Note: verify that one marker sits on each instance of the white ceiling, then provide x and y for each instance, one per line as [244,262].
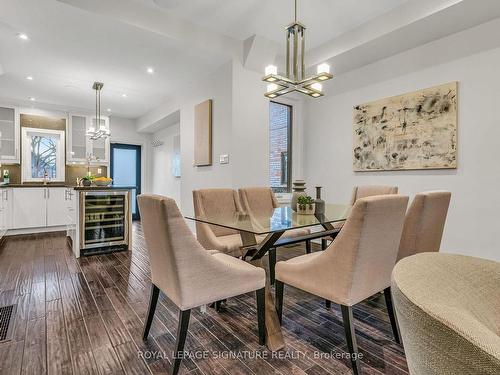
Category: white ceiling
[240,19]
[70,48]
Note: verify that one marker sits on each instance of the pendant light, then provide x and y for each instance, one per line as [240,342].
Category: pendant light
[99,130]
[294,78]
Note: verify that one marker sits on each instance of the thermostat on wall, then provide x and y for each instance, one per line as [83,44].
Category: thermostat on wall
[224,159]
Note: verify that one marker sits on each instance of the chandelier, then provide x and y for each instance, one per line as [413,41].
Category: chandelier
[295,79]
[98,129]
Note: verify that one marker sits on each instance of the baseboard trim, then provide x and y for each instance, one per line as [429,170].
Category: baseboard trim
[17,232]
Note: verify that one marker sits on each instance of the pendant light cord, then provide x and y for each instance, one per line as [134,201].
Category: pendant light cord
[295,11]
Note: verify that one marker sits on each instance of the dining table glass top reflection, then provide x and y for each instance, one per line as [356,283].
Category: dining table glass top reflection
[276,220]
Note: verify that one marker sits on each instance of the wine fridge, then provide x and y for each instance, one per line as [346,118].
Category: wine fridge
[105,221]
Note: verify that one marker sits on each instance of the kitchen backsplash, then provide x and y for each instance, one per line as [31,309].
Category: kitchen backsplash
[72,171]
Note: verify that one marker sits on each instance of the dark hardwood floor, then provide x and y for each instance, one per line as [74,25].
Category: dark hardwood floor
[86,316]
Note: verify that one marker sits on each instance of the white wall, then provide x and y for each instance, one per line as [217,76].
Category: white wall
[473,220]
[217,87]
[123,130]
[162,180]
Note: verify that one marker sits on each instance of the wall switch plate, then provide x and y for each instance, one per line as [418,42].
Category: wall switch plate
[224,159]
[99,170]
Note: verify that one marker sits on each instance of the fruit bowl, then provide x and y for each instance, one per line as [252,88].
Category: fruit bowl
[102,181]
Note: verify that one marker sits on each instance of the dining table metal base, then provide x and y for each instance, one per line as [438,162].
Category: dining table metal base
[274,336]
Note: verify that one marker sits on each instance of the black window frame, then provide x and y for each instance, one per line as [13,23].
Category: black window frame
[288,187]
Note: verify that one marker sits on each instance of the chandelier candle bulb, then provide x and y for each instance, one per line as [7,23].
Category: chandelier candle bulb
[323,68]
[271,87]
[271,69]
[317,86]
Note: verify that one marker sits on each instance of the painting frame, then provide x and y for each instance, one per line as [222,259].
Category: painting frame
[416,130]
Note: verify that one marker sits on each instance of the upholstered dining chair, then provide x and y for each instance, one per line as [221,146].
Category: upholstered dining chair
[424,223]
[216,202]
[364,191]
[448,308]
[260,202]
[186,273]
[355,266]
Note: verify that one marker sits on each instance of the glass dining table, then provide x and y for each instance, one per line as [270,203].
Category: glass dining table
[263,231]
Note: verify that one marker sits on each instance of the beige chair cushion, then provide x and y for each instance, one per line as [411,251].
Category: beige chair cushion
[359,261]
[260,202]
[424,223]
[367,191]
[188,274]
[232,244]
[219,203]
[371,190]
[448,308]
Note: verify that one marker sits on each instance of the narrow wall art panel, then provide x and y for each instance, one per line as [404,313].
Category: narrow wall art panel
[416,130]
[203,134]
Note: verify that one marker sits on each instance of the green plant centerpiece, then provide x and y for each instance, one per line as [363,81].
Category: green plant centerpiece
[305,205]
[87,180]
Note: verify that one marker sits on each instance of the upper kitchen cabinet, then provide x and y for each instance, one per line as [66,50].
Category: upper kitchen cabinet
[79,145]
[9,135]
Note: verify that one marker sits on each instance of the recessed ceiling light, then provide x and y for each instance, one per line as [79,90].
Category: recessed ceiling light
[29,78]
[124,95]
[31,98]
[150,70]
[109,109]
[22,36]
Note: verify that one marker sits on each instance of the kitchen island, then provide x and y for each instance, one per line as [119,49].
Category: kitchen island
[99,219]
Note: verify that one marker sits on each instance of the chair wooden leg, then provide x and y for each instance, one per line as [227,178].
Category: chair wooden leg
[155,292]
[278,289]
[350,336]
[272,265]
[180,340]
[261,315]
[308,247]
[392,314]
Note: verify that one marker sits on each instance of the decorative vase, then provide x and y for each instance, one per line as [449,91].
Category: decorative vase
[299,190]
[306,209]
[320,203]
[86,182]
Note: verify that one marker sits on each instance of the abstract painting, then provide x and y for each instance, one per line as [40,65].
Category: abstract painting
[417,130]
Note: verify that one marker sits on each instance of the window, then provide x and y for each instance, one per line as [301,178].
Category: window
[280,147]
[43,154]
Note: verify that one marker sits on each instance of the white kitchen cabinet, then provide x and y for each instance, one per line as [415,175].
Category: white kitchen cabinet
[79,145]
[70,198]
[39,207]
[76,139]
[29,208]
[56,206]
[5,210]
[9,135]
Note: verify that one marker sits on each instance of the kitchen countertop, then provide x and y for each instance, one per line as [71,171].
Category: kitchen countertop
[56,184]
[112,187]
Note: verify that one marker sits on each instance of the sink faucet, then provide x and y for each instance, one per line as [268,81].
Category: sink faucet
[46,178]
